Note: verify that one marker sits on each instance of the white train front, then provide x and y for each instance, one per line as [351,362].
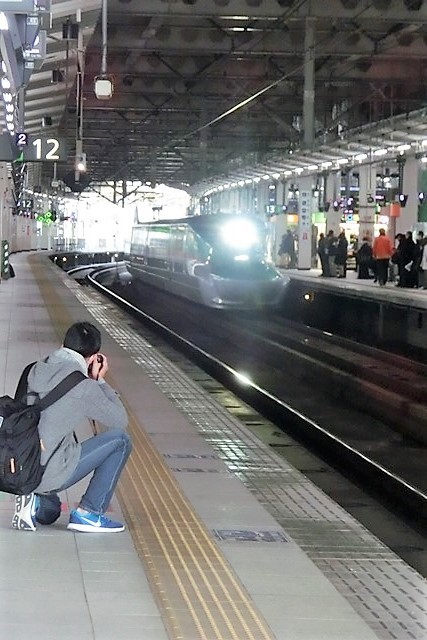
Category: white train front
[216,260]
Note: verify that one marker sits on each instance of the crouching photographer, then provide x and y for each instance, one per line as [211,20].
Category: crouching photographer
[68,461]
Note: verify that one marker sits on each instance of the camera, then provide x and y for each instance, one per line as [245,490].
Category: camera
[100,360]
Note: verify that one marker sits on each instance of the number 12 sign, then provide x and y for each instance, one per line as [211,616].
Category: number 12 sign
[42,148]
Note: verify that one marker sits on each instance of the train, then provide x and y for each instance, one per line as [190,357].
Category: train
[217,260]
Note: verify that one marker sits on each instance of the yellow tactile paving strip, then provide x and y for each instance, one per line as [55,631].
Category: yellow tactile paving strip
[199,595]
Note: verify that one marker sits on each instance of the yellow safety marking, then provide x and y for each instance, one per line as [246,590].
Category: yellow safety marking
[152,474]
[198,593]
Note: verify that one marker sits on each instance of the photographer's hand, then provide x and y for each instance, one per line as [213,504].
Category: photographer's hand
[99,367]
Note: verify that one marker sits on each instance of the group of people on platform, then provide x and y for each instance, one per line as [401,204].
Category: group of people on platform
[373,260]
[333,253]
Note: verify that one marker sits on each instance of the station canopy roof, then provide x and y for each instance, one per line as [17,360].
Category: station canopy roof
[211,92]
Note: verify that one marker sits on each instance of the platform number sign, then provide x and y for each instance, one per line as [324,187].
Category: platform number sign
[32,148]
[46,149]
[25,147]
[21,139]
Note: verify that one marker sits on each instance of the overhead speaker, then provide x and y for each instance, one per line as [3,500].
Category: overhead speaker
[70,30]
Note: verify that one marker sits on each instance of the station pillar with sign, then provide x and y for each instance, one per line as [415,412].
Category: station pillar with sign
[4,257]
[332,196]
[304,223]
[367,202]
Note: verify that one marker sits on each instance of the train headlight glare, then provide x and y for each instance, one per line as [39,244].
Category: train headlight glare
[241,258]
[240,233]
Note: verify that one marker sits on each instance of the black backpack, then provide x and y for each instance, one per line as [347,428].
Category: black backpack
[20,448]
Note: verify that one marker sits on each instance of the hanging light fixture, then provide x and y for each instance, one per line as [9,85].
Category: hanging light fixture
[104,86]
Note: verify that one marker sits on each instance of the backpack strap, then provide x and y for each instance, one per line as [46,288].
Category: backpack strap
[21,389]
[61,389]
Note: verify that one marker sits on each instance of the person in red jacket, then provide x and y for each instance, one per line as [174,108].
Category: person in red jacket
[382,251]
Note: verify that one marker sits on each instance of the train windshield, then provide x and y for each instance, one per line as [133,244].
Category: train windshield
[238,249]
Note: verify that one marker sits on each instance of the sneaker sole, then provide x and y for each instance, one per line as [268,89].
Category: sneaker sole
[89,528]
[22,518]
[22,525]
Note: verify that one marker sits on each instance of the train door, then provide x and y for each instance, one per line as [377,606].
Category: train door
[177,250]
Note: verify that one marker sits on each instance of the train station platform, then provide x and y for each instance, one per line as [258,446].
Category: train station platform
[225,540]
[359,309]
[351,285]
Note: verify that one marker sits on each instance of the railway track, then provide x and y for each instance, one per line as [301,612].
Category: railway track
[285,373]
[377,395]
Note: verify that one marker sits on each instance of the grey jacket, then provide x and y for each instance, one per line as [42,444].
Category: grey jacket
[91,399]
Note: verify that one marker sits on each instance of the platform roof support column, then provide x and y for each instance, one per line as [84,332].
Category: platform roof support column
[262,198]
[409,213]
[304,222]
[244,199]
[422,184]
[367,203]
[308,105]
[278,227]
[253,199]
[124,191]
[203,145]
[332,195]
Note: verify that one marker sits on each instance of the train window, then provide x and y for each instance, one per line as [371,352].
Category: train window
[196,249]
[158,246]
[138,240]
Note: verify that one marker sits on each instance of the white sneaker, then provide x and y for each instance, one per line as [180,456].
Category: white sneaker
[24,517]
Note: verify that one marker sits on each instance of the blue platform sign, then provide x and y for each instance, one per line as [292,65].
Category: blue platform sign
[18,6]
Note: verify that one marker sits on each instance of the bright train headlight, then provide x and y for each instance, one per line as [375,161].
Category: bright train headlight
[240,234]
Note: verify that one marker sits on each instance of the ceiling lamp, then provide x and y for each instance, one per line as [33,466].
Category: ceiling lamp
[103,84]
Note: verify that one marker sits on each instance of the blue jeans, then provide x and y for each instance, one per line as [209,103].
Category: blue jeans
[106,455]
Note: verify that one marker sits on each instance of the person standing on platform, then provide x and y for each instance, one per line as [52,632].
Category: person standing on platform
[68,461]
[423,265]
[397,258]
[341,255]
[287,246]
[382,251]
[331,252]
[321,250]
[409,255]
[418,258]
[364,260]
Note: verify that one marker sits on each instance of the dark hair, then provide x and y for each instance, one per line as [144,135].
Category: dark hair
[84,338]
